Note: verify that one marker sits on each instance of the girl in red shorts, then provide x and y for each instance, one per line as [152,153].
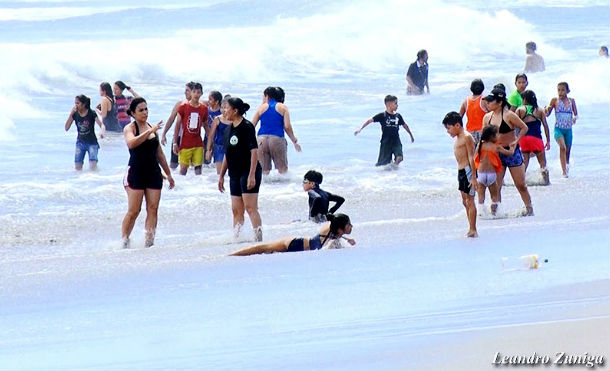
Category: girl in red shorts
[531,143]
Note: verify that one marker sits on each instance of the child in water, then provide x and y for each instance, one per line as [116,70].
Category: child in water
[318,198]
[566,115]
[390,122]
[488,165]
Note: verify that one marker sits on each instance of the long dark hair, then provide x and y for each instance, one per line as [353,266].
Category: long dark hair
[239,105]
[85,100]
[488,132]
[107,89]
[134,104]
[122,85]
[530,97]
[276,93]
[337,221]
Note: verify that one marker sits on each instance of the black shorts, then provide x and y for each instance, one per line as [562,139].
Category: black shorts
[239,184]
[387,149]
[464,185]
[143,178]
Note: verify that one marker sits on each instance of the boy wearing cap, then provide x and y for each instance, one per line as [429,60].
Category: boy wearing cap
[463,149]
[318,198]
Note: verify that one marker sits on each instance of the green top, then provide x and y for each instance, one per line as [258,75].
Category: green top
[514,99]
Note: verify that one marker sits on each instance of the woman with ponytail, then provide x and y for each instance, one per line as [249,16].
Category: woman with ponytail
[86,141]
[108,109]
[329,237]
[122,102]
[241,160]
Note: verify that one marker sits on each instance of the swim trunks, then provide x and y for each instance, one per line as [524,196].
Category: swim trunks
[189,156]
[464,185]
[387,148]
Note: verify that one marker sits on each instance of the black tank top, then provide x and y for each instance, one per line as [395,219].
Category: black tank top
[144,156]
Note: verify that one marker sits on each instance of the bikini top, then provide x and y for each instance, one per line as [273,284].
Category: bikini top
[493,157]
[504,127]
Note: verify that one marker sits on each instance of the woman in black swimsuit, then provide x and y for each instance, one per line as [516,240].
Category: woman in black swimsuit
[507,122]
[143,178]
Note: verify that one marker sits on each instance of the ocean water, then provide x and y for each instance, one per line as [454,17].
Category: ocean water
[60,229]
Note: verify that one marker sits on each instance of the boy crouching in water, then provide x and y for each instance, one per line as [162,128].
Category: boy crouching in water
[464,154]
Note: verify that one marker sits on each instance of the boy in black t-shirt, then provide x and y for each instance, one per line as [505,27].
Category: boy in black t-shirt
[390,122]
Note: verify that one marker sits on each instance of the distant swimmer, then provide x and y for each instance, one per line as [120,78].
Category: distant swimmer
[472,107]
[566,115]
[245,172]
[108,109]
[463,149]
[318,198]
[603,51]
[417,75]
[191,118]
[173,162]
[215,150]
[507,121]
[86,141]
[275,120]
[533,62]
[143,179]
[488,165]
[390,122]
[329,237]
[515,99]
[534,117]
[123,102]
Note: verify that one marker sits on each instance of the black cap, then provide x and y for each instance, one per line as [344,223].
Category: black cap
[496,94]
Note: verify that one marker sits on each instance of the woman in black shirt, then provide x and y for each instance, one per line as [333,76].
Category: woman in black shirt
[241,160]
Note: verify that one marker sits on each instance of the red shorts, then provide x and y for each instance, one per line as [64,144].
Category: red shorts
[531,144]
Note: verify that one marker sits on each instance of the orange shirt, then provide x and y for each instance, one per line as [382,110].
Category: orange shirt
[493,157]
[474,113]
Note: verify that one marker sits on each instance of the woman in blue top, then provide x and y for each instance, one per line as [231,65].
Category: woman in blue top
[329,237]
[216,147]
[275,120]
[86,141]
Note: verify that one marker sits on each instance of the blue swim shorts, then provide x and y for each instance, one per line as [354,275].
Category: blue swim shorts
[515,160]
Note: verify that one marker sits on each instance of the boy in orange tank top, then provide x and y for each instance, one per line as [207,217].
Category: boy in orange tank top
[474,110]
